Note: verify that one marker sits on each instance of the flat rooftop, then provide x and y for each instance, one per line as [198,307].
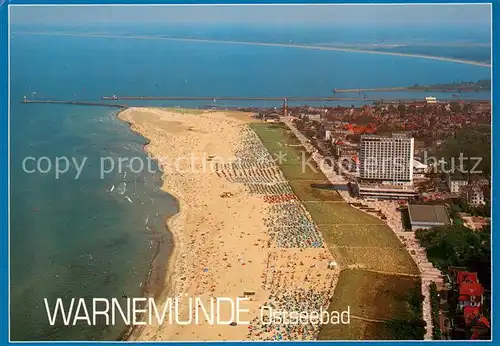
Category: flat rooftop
[428,214]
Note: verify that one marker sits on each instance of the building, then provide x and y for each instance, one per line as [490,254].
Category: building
[386,166]
[428,216]
[470,322]
[334,134]
[328,135]
[385,191]
[478,180]
[419,170]
[473,194]
[269,116]
[431,100]
[386,158]
[312,117]
[456,182]
[366,110]
[469,289]
[475,191]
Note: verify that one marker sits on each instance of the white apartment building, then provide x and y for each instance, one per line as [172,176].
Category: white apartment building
[388,159]
[474,195]
[431,100]
[455,183]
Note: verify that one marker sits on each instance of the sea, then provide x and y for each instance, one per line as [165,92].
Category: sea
[89,235]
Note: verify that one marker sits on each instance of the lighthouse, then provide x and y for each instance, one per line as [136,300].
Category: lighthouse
[285,107]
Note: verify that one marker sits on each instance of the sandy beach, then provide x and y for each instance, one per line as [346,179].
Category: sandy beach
[240,228]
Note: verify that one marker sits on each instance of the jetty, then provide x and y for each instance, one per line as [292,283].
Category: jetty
[235,98]
[214,99]
[335,90]
[80,103]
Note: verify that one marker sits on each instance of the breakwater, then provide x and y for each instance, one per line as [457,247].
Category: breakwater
[81,103]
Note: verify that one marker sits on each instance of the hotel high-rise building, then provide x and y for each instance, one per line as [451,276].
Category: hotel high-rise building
[386,159]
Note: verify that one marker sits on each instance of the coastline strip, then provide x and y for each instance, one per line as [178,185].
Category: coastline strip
[134,332]
[301,46]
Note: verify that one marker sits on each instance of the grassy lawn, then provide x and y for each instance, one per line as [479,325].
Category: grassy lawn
[355,238]
[394,305]
[289,156]
[361,330]
[338,213]
[387,297]
[383,259]
[277,137]
[269,132]
[275,147]
[357,330]
[296,172]
[361,235]
[281,143]
[315,190]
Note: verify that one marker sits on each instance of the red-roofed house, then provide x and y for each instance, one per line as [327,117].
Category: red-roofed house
[470,300]
[466,277]
[477,323]
[470,295]
[471,313]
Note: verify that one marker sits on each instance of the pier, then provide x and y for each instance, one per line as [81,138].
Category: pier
[335,90]
[235,98]
[277,98]
[240,98]
[80,103]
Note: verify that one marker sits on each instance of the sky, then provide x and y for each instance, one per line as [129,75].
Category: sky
[477,15]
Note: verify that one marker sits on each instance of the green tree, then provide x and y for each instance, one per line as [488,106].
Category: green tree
[457,245]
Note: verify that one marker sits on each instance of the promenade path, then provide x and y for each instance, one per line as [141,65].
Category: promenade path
[428,272]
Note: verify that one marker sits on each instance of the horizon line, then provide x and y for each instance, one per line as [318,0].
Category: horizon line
[261,4]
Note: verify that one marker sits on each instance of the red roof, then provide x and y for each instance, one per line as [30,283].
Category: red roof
[467,277]
[470,312]
[474,289]
[484,321]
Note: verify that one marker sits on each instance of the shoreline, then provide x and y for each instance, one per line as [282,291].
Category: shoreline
[133,332]
[302,46]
